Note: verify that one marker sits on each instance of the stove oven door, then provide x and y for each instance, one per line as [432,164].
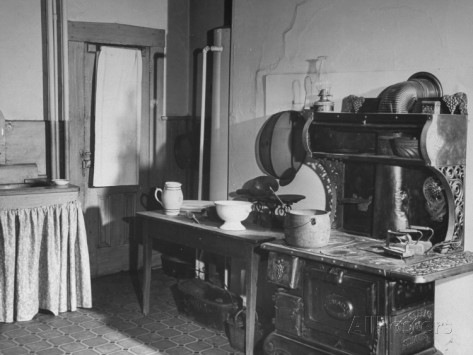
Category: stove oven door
[341,310]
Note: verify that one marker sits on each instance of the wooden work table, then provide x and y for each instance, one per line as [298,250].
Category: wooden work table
[208,237]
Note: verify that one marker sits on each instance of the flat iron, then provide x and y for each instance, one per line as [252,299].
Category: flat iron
[407,242]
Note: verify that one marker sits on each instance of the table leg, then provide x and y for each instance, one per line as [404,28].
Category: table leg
[252,263]
[147,250]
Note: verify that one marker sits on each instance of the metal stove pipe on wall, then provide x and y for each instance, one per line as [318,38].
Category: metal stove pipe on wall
[218,189]
[202,115]
[58,87]
[218,49]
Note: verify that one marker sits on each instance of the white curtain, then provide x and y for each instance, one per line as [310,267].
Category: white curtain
[44,261]
[117,117]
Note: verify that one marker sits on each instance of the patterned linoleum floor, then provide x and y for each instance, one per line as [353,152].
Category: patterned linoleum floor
[115,325]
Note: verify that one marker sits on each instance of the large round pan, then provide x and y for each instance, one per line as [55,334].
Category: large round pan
[279,149]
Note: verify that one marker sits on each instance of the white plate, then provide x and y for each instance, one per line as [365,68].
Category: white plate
[195,205]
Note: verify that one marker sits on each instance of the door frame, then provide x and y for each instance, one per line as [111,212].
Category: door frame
[152,43]
[150,39]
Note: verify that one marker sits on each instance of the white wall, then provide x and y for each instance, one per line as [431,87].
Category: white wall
[21,62]
[146,13]
[369,37]
[375,43]
[21,57]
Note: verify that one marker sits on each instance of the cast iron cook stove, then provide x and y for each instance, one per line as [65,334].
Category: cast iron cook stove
[386,176]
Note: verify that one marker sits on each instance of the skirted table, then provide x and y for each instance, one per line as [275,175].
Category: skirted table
[44,260]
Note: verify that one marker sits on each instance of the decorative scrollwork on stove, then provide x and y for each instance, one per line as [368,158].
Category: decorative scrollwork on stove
[284,270]
[463,105]
[455,176]
[458,100]
[330,173]
[352,103]
[435,205]
[439,264]
[279,269]
[295,316]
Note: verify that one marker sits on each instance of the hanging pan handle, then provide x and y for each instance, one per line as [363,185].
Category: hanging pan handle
[312,221]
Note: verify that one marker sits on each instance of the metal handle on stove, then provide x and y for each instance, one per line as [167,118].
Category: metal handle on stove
[336,275]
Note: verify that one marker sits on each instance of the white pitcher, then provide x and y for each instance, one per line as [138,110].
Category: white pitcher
[171,197]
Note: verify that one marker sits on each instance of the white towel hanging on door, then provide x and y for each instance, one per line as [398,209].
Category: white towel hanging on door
[117,117]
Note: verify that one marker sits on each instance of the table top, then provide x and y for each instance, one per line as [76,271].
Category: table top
[24,189]
[33,197]
[254,234]
[345,250]
[366,255]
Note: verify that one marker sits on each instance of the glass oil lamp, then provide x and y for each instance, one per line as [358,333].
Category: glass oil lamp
[323,86]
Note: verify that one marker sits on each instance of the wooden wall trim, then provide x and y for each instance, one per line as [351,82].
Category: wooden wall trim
[117,34]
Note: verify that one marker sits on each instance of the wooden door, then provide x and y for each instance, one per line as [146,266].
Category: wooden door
[109,211]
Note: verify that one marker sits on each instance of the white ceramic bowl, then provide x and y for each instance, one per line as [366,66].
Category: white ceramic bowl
[233,213]
[60,182]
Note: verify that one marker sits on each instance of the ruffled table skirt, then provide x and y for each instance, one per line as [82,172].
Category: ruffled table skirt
[44,261]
